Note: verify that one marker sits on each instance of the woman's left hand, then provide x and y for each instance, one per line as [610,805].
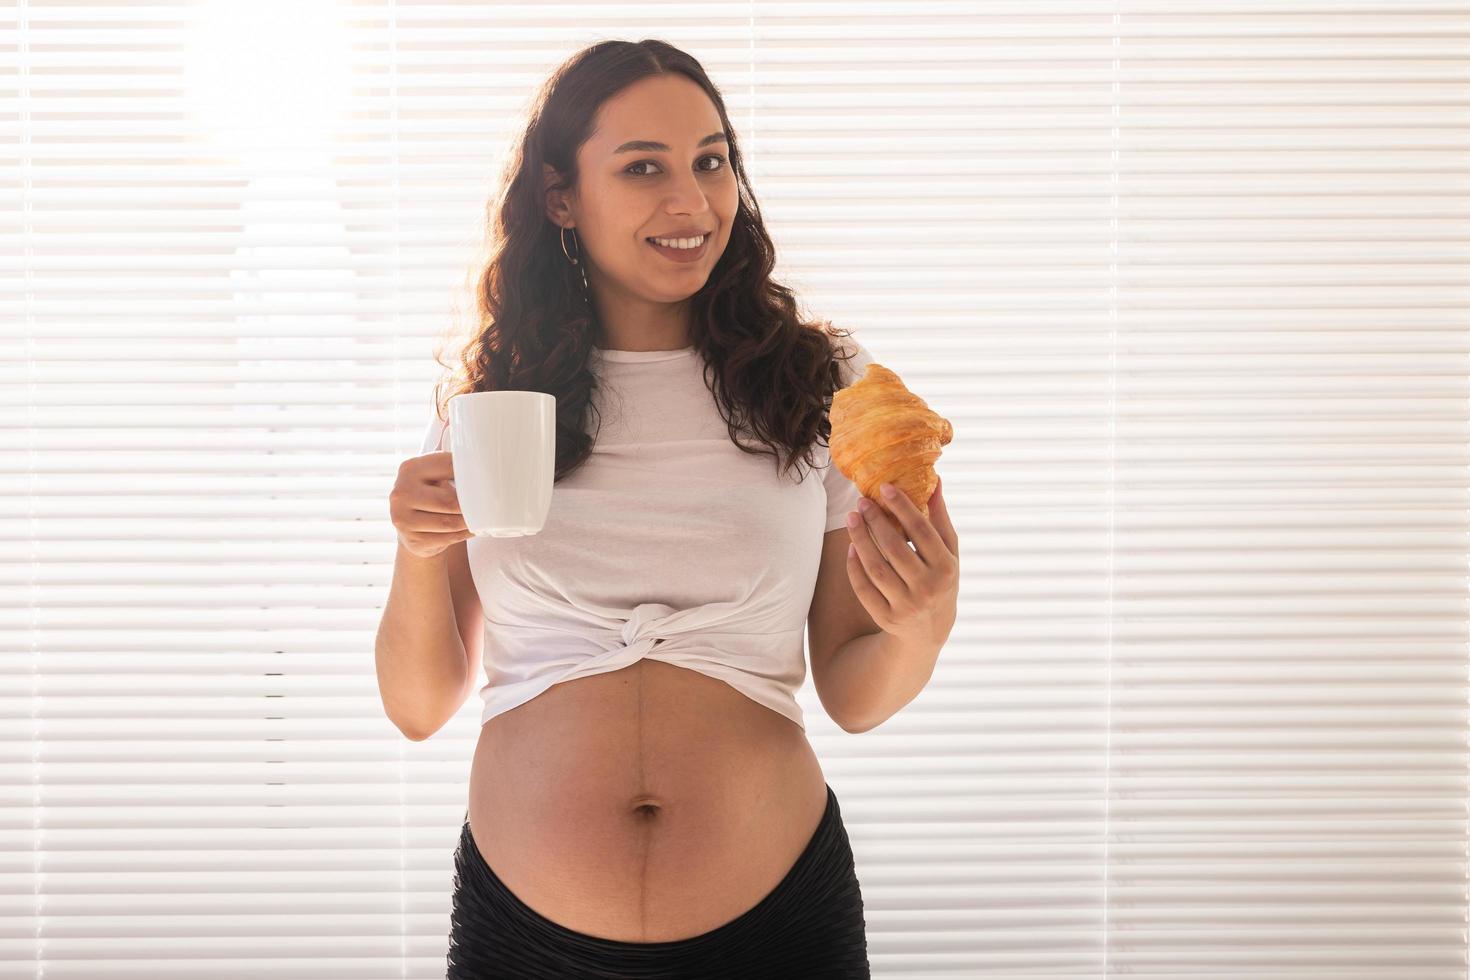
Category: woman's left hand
[911,596]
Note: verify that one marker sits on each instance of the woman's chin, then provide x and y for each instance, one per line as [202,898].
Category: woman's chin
[662,292]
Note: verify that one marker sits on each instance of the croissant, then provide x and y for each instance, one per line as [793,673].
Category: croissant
[884,433]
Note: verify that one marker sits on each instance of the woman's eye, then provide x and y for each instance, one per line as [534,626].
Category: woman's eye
[708,170]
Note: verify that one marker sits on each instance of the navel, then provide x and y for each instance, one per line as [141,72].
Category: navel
[647,806]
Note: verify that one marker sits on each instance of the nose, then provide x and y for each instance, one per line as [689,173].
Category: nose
[687,197]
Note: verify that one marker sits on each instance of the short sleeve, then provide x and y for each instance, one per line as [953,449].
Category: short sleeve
[842,494]
[433,435]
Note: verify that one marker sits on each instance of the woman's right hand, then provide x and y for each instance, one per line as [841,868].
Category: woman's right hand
[424,507]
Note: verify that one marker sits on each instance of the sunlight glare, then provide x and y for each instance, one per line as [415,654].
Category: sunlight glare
[268,77]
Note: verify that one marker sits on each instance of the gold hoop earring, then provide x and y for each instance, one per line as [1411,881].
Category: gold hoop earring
[586,286]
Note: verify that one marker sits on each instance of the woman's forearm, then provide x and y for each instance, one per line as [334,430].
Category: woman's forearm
[423,674]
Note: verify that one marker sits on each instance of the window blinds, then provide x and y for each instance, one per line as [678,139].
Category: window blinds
[1188,279]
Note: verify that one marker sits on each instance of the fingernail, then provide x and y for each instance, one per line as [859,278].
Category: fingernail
[889,490]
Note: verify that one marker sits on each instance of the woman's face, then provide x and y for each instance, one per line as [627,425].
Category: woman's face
[627,194]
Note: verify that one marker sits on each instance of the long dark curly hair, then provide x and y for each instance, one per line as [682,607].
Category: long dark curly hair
[533,327]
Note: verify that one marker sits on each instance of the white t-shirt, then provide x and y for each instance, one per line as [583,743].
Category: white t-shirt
[669,542]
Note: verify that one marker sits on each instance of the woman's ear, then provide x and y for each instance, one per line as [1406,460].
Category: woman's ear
[558,200]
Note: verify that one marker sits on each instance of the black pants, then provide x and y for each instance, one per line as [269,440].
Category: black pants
[810,926]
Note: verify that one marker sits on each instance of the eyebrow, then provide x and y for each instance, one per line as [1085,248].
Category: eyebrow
[653,146]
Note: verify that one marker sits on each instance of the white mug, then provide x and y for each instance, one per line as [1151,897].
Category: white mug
[504,451]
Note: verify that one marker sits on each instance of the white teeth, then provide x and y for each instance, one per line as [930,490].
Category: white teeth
[680,242]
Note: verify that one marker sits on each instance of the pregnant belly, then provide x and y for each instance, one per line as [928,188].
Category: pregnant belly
[647,804]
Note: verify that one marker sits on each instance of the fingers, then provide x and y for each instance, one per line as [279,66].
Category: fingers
[423,493]
[439,523]
[871,556]
[931,547]
[429,543]
[868,594]
[424,508]
[430,467]
[893,550]
[430,508]
[442,499]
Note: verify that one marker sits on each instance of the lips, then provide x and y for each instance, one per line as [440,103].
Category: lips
[682,255]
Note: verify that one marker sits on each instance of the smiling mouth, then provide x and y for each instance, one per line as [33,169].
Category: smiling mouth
[682,256]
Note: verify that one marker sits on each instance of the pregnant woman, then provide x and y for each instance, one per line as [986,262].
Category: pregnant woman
[643,800]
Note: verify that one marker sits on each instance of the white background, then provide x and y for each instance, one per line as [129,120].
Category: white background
[1189,279]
